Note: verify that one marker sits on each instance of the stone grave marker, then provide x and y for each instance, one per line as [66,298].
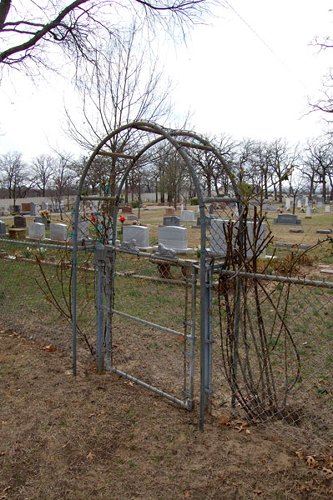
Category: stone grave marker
[36,231]
[308,214]
[58,232]
[187,216]
[33,209]
[218,244]
[83,230]
[299,203]
[126,210]
[287,203]
[171,220]
[287,219]
[169,211]
[132,217]
[173,237]
[138,233]
[2,228]
[327,209]
[20,221]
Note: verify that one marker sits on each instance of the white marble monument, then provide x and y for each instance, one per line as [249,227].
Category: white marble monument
[36,231]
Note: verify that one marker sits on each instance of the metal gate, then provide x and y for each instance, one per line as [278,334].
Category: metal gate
[146,320]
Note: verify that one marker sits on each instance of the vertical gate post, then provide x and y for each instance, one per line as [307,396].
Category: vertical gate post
[205,322]
[100,269]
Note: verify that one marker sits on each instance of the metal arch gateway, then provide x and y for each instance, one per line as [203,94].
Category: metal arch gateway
[181,141]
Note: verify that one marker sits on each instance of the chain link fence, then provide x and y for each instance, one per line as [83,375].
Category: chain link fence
[273,359]
[35,293]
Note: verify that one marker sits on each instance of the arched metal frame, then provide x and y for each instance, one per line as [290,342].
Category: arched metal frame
[176,139]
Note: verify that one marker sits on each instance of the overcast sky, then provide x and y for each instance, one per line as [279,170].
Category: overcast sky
[247,73]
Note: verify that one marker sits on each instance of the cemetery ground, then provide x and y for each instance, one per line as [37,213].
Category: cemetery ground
[97,436]
[101,436]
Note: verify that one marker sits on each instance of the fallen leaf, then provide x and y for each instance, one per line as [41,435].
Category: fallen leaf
[224,420]
[50,348]
[187,494]
[181,338]
[91,456]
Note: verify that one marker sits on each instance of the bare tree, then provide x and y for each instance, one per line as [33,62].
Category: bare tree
[318,166]
[28,29]
[42,169]
[121,87]
[14,175]
[63,177]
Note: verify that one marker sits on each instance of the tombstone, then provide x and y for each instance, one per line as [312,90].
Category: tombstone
[260,234]
[83,230]
[58,232]
[44,205]
[126,210]
[287,203]
[218,243]
[320,204]
[138,233]
[327,209]
[306,201]
[20,221]
[33,209]
[171,220]
[25,208]
[299,203]
[40,219]
[187,216]
[36,231]
[287,219]
[2,228]
[132,217]
[169,211]
[173,237]
[308,214]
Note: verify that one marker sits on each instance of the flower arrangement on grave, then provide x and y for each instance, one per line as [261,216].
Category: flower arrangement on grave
[122,219]
[45,214]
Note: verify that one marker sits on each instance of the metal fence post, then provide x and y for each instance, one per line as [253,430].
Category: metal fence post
[100,267]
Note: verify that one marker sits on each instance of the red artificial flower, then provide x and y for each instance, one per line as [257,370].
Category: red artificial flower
[122,219]
[93,219]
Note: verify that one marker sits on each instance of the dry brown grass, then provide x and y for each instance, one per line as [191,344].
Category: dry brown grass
[99,437]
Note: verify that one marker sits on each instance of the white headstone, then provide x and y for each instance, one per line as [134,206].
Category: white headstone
[306,201]
[287,201]
[218,243]
[260,236]
[36,231]
[83,230]
[299,203]
[187,216]
[138,233]
[308,213]
[320,204]
[58,232]
[327,209]
[173,237]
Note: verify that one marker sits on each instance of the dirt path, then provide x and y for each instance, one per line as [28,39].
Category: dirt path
[101,437]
